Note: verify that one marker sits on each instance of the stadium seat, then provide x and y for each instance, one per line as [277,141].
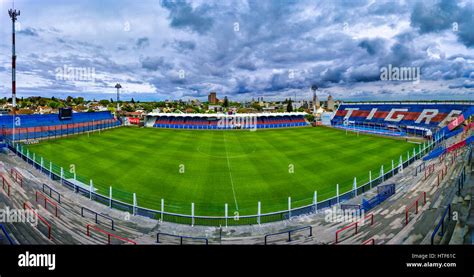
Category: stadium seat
[180,122]
[397,118]
[47,125]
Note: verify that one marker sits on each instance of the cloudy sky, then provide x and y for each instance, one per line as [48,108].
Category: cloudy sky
[243,49]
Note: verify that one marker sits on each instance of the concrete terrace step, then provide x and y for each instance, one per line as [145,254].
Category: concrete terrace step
[389,223]
[22,232]
[69,227]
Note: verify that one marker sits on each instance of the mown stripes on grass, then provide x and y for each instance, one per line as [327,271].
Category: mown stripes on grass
[148,162]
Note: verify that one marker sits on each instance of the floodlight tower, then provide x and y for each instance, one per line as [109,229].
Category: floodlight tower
[118,87]
[314,88]
[13,15]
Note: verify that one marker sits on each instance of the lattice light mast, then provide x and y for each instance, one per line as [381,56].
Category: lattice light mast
[118,87]
[13,15]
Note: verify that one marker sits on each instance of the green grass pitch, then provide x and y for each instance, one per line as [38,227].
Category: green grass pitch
[211,168]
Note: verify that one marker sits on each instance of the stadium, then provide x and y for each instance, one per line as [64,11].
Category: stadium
[117,135]
[207,170]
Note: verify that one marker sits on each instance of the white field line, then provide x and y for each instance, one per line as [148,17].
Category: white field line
[230,174]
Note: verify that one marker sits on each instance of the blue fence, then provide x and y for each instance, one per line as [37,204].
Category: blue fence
[441,223]
[384,192]
[6,235]
[461,180]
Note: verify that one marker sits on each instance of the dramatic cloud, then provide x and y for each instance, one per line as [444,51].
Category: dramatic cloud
[28,32]
[443,15]
[155,63]
[143,42]
[373,46]
[242,48]
[182,15]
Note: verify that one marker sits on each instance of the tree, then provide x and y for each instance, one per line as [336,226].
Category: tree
[104,102]
[53,104]
[256,106]
[289,107]
[128,108]
[79,100]
[42,102]
[309,117]
[148,107]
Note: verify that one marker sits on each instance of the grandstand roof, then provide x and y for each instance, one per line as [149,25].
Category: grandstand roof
[220,115]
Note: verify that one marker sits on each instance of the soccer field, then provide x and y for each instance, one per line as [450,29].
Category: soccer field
[211,168]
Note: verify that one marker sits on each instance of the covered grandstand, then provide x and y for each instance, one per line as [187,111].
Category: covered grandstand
[398,118]
[226,121]
[38,126]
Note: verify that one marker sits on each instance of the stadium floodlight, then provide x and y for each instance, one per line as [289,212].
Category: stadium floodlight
[118,87]
[14,16]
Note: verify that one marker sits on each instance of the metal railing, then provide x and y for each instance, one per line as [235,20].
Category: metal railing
[49,191]
[97,215]
[447,212]
[109,235]
[289,233]
[355,224]
[46,201]
[7,236]
[48,225]
[415,203]
[181,238]
[6,184]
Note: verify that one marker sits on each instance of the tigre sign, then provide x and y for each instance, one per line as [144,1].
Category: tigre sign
[401,114]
